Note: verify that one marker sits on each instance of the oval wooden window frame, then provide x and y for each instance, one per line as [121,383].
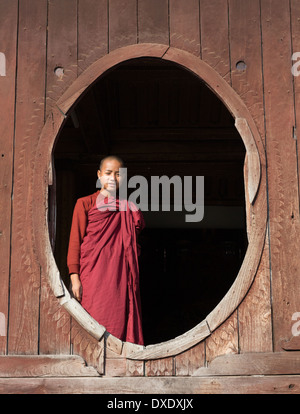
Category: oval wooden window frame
[255,185]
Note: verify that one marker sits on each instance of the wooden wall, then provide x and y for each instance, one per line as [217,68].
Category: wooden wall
[39,36]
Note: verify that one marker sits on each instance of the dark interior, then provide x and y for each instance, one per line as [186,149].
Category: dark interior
[162,120]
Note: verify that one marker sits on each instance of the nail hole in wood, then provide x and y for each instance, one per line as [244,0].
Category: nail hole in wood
[241,65]
[59,72]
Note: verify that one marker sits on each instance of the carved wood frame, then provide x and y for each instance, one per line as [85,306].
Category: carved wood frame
[256,198]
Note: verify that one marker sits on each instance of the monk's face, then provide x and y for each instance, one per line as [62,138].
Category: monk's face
[109,175]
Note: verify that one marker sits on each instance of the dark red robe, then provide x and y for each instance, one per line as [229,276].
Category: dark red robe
[103,250]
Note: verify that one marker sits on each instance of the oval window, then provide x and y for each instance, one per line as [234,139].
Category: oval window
[163,121]
[165,117]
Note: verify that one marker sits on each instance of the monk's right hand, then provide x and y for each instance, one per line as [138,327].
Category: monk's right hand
[76,286]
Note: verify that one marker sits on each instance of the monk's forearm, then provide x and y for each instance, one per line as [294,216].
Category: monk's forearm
[76,286]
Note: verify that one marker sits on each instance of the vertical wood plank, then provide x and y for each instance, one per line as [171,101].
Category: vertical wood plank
[215,51]
[184,25]
[25,271]
[92,32]
[255,325]
[245,46]
[153,21]
[61,48]
[61,52]
[8,36]
[55,324]
[282,166]
[122,23]
[295,27]
[214,36]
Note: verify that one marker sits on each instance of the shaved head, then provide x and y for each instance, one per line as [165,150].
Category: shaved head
[110,158]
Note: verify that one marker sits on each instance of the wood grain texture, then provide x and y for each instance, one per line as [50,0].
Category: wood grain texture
[92,32]
[54,323]
[153,21]
[159,367]
[86,346]
[294,342]
[8,34]
[295,43]
[245,47]
[122,23]
[255,324]
[61,48]
[272,384]
[189,361]
[25,271]
[44,366]
[282,167]
[184,25]
[260,363]
[214,36]
[224,340]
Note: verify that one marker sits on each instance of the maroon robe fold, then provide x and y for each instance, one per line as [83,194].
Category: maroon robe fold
[109,269]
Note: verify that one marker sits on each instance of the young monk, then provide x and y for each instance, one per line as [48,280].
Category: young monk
[103,255]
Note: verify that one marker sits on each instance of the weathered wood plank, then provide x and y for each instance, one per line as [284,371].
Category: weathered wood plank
[246,48]
[8,35]
[92,32]
[44,366]
[61,49]
[159,367]
[89,348]
[294,342]
[214,36]
[122,367]
[273,384]
[184,25]
[61,52]
[295,29]
[254,314]
[260,363]
[25,271]
[255,325]
[224,340]
[153,21]
[282,167]
[55,324]
[292,345]
[122,23]
[189,361]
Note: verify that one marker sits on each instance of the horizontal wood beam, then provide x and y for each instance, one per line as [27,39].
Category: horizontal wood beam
[274,384]
[44,366]
[261,363]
